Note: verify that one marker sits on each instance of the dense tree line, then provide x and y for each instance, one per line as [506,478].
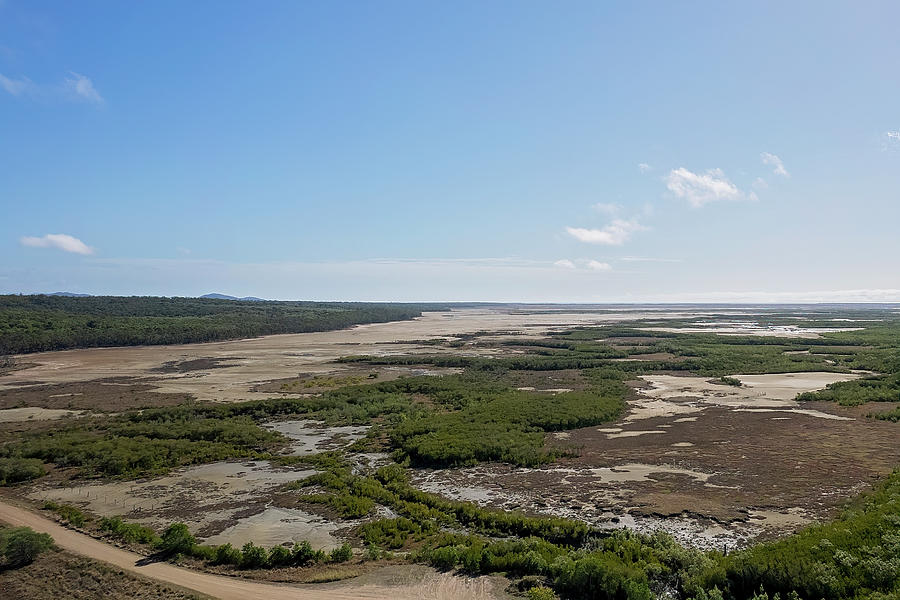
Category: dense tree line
[40,323]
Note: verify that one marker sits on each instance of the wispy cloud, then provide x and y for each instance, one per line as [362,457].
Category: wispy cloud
[700,189]
[891,139]
[564,263]
[596,265]
[608,208]
[650,260]
[61,241]
[644,167]
[760,184]
[82,87]
[615,234]
[16,87]
[776,163]
[74,86]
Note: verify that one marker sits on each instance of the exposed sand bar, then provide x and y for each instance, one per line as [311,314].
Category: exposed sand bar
[31,413]
[250,361]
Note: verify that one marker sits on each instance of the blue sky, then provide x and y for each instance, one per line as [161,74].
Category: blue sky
[507,151]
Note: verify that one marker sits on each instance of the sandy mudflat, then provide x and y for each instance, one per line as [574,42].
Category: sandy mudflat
[32,413]
[241,364]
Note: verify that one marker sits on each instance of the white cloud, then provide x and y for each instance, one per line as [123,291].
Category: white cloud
[60,241]
[892,135]
[608,208]
[760,183]
[16,87]
[564,263]
[700,189]
[596,265]
[644,167]
[82,87]
[615,234]
[775,162]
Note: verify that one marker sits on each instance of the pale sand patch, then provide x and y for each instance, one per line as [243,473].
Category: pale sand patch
[757,391]
[786,386]
[275,526]
[30,413]
[682,444]
[627,434]
[610,429]
[755,329]
[648,408]
[216,491]
[799,411]
[773,519]
[641,472]
[308,439]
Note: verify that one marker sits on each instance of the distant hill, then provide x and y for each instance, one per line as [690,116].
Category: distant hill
[70,295]
[227,297]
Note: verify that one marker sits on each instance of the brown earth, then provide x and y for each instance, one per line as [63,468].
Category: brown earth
[760,459]
[108,394]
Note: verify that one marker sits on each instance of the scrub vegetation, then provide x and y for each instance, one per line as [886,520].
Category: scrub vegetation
[480,415]
[19,546]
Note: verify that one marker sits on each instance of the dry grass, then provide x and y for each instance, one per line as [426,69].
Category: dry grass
[64,575]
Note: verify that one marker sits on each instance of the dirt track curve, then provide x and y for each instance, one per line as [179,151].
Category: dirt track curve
[440,586]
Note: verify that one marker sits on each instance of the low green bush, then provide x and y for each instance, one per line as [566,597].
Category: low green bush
[19,546]
[70,514]
[342,553]
[177,539]
[129,532]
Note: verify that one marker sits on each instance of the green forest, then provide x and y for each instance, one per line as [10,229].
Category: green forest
[40,323]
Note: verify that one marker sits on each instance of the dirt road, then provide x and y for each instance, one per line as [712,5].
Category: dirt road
[433,586]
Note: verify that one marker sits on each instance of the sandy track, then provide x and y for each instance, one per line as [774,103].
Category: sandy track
[439,586]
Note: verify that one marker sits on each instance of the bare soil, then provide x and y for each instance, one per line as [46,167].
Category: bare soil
[108,394]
